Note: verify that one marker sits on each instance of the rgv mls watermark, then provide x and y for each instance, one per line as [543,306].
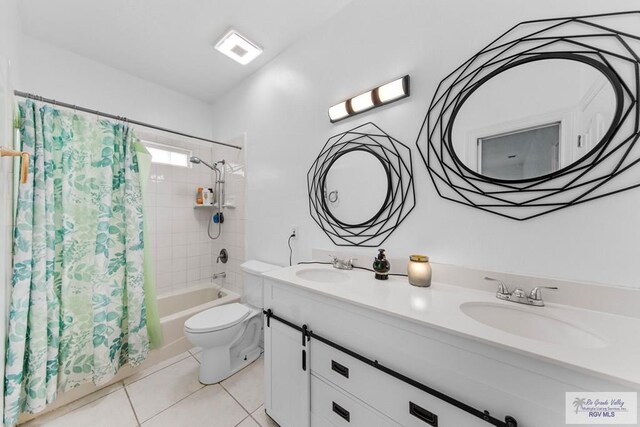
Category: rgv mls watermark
[601,407]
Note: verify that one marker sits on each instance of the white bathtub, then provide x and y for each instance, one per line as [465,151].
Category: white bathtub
[174,309]
[178,306]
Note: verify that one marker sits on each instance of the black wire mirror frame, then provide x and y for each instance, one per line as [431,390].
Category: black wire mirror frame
[396,160]
[583,178]
[387,174]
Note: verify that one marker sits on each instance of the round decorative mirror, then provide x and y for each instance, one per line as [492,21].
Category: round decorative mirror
[357,187]
[361,186]
[535,117]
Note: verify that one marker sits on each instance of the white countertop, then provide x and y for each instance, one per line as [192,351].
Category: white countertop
[439,307]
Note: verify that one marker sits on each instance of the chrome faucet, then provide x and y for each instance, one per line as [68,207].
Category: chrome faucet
[534,297]
[342,264]
[219,275]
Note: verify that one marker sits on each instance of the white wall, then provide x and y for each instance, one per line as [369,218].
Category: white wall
[10,36]
[60,74]
[283,110]
[10,40]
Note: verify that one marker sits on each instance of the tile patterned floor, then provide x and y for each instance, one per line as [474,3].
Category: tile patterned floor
[169,395]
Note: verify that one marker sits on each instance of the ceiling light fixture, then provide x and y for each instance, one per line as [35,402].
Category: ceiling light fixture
[385,94]
[238,47]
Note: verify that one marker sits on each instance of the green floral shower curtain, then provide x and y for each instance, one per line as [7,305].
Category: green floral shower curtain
[77,307]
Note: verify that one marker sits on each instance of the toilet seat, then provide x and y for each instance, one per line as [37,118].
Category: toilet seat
[217,318]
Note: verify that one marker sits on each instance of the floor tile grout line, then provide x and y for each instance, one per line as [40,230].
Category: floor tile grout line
[123,386]
[175,403]
[242,420]
[52,411]
[254,419]
[209,385]
[265,411]
[234,398]
[135,414]
[244,368]
[203,386]
[231,394]
[155,372]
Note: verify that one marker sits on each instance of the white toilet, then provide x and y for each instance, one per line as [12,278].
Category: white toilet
[230,335]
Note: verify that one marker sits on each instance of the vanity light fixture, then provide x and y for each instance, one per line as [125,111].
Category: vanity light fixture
[385,94]
[238,47]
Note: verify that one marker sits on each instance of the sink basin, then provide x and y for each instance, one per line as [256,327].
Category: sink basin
[527,324]
[323,275]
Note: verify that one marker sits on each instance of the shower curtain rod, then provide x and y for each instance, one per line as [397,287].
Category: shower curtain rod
[114,117]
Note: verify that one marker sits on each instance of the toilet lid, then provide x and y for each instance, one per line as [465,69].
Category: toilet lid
[216,318]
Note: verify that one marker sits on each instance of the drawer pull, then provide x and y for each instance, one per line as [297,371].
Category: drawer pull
[343,413]
[423,415]
[341,369]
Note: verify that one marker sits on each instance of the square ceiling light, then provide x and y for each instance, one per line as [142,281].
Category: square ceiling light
[238,47]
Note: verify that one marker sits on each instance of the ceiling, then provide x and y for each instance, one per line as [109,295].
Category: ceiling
[171,42]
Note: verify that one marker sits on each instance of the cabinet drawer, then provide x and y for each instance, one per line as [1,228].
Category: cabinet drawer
[318,421]
[398,400]
[332,405]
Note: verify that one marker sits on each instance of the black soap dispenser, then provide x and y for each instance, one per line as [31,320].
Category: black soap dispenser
[381,265]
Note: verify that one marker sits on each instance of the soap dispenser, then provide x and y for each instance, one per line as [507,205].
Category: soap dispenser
[381,265]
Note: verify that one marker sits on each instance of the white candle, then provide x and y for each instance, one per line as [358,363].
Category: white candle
[419,270]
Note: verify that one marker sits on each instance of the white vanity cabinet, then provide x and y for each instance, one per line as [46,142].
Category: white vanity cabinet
[287,383]
[335,389]
[368,367]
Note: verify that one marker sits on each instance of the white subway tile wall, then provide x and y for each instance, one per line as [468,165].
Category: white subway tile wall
[183,254]
[233,229]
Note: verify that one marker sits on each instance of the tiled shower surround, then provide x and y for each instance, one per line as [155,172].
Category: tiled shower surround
[183,254]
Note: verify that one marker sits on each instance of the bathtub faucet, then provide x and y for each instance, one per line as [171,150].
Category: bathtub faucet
[218,275]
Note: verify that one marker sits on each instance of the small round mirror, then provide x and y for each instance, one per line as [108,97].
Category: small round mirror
[357,187]
[535,117]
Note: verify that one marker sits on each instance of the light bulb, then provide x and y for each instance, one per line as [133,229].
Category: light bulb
[362,102]
[338,111]
[391,91]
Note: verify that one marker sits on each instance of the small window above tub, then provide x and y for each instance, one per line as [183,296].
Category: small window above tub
[168,155]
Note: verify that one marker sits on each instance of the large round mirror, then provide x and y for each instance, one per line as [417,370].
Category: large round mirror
[535,117]
[357,187]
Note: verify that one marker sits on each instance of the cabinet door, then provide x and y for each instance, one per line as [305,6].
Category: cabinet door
[287,377]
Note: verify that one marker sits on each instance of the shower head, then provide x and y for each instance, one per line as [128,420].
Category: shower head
[197,160]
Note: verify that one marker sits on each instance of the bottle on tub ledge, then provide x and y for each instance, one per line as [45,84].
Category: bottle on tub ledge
[381,265]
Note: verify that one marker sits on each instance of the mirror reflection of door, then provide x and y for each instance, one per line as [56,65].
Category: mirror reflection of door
[533,119]
[520,154]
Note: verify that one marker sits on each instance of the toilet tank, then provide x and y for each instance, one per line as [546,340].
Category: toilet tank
[252,274]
